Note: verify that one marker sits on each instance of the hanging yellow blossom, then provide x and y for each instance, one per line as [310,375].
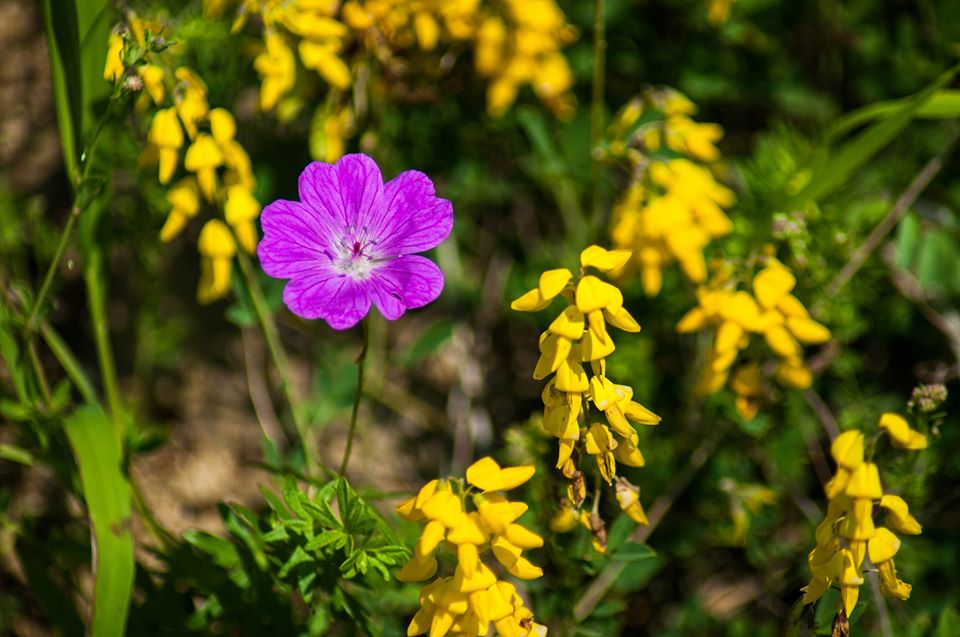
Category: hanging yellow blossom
[277,70]
[579,335]
[113,67]
[221,170]
[848,534]
[471,599]
[217,248]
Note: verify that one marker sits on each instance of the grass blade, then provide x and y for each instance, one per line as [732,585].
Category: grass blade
[835,171]
[107,493]
[63,45]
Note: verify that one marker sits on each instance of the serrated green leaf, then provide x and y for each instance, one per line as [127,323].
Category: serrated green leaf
[107,493]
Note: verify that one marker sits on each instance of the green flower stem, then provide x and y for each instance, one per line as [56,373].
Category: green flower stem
[51,271]
[38,370]
[596,107]
[68,361]
[279,356]
[361,363]
[97,299]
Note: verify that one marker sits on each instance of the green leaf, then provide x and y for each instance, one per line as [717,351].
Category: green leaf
[223,552]
[936,262]
[275,503]
[93,21]
[16,454]
[949,624]
[943,104]
[846,160]
[634,552]
[429,341]
[299,557]
[63,47]
[907,240]
[325,539]
[107,493]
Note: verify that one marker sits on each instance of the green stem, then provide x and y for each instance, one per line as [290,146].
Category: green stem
[68,361]
[48,278]
[75,210]
[361,363]
[596,107]
[38,370]
[279,357]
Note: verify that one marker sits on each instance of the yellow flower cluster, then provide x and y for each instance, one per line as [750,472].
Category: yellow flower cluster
[522,46]
[313,28]
[848,535]
[218,167]
[516,42]
[771,311]
[675,207]
[404,23]
[467,602]
[579,335]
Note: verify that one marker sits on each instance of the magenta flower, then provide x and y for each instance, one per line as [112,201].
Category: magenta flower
[350,241]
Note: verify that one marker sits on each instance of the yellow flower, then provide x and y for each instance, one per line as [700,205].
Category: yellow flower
[152,77]
[580,335]
[217,248]
[241,209]
[472,598]
[848,535]
[901,435]
[113,67]
[628,496]
[203,157]
[277,69]
[184,196]
[167,136]
[323,59]
[191,98]
[847,450]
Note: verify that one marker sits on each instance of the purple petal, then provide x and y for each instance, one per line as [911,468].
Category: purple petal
[405,283]
[416,220]
[296,240]
[336,298]
[348,193]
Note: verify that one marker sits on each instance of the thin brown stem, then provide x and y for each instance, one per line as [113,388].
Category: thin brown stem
[897,212]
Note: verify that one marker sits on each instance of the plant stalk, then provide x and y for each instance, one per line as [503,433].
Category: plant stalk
[279,356]
[361,364]
[596,108]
